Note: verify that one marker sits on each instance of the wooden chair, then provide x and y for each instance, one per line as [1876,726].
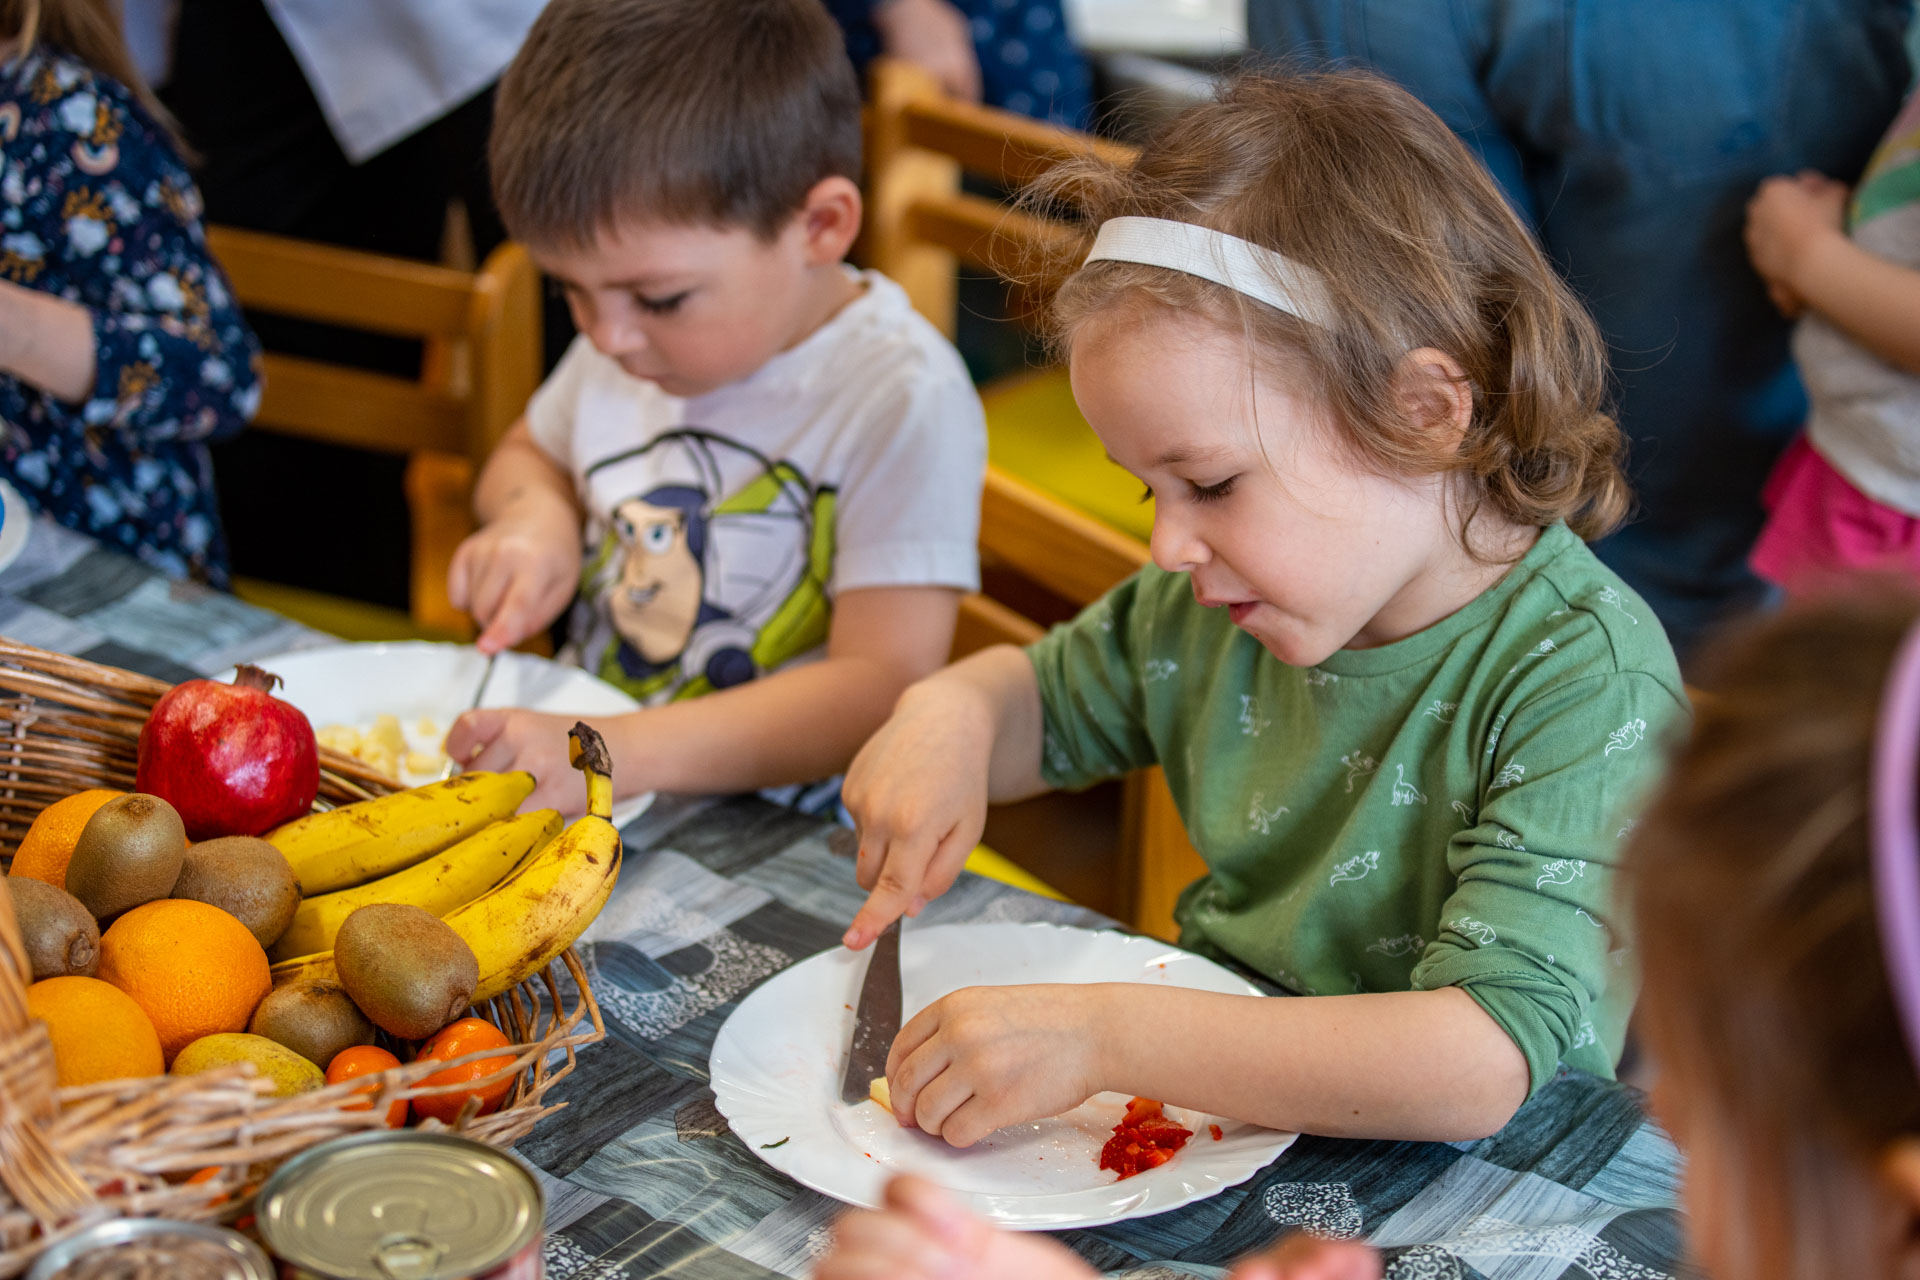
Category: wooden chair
[482,336]
[921,226]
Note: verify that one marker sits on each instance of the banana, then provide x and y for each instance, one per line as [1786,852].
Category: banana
[455,875]
[520,925]
[517,927]
[359,842]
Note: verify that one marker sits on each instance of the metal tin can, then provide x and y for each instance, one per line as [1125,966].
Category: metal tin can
[174,1250]
[403,1206]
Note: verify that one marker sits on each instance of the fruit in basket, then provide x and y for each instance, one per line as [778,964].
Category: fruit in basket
[469,1035]
[290,1073]
[366,1060]
[98,1032]
[61,936]
[130,852]
[358,842]
[450,878]
[520,925]
[194,969]
[232,758]
[405,968]
[49,842]
[317,1020]
[247,878]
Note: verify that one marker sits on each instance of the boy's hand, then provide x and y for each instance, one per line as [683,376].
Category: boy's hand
[987,1057]
[918,795]
[518,572]
[499,739]
[1786,219]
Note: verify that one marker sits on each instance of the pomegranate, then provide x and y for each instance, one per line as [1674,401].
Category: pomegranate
[233,759]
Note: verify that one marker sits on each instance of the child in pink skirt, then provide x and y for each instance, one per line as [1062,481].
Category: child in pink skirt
[1846,495]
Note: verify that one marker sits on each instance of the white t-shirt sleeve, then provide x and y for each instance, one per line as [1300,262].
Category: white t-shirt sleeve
[908,513]
[553,413]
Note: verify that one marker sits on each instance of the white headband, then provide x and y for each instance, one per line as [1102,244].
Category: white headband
[1238,264]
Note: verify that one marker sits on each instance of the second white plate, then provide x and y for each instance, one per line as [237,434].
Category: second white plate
[354,684]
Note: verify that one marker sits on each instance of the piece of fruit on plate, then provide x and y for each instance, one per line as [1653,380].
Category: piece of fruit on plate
[1144,1139]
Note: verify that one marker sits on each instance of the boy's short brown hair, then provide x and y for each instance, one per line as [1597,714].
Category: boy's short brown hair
[692,112]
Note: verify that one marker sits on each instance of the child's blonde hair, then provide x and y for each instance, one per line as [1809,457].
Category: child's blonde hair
[1766,1006]
[1352,176]
[93,32]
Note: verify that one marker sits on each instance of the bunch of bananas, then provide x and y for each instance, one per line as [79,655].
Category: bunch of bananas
[517,888]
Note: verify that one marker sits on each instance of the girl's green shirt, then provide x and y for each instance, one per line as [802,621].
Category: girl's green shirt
[1447,810]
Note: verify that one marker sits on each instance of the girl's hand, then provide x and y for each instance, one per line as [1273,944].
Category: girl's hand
[922,1233]
[935,34]
[987,1057]
[501,739]
[1786,220]
[918,795]
[517,572]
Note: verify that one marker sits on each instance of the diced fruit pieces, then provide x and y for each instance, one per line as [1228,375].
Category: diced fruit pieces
[1144,1139]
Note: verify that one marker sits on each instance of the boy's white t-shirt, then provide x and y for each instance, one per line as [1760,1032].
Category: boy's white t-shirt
[719,528]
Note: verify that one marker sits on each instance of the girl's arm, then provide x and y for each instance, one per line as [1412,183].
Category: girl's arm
[791,726]
[46,342]
[1417,1065]
[919,791]
[1796,236]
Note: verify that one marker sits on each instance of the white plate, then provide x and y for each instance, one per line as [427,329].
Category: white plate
[777,1063]
[354,684]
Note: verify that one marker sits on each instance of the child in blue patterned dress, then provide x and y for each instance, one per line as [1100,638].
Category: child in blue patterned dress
[122,350]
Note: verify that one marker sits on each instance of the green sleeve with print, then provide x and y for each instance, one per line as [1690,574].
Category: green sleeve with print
[1094,725]
[1531,929]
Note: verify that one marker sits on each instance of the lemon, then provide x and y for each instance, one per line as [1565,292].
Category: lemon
[289,1072]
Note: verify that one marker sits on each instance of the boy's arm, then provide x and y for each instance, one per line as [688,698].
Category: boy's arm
[521,568]
[1413,1065]
[805,722]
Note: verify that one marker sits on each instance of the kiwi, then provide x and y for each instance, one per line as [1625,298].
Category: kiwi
[316,1019]
[247,878]
[62,940]
[129,852]
[406,968]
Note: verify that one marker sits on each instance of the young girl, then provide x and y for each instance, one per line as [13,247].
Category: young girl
[1847,492]
[121,350]
[1403,709]
[1777,900]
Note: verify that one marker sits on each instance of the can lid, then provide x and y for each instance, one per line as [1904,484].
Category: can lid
[232,1256]
[399,1206]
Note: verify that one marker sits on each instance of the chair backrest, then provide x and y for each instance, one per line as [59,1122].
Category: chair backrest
[481,330]
[921,224]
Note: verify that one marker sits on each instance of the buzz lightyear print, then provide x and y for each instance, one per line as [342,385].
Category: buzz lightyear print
[710,572]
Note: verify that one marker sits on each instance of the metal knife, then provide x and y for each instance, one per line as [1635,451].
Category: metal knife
[877,1020]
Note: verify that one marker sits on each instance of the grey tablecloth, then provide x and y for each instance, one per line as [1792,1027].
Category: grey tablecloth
[643,1176]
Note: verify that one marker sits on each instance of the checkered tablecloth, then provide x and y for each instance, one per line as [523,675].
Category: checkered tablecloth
[643,1176]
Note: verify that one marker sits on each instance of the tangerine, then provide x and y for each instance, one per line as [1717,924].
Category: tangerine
[48,844]
[365,1060]
[98,1032]
[195,969]
[469,1035]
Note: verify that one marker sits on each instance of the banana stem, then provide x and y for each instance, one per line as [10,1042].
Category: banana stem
[587,752]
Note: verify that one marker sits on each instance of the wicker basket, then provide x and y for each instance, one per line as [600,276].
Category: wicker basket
[70,1157]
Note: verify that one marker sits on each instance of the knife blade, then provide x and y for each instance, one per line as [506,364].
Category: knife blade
[877,1020]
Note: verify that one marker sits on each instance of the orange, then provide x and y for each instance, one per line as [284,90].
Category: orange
[49,842]
[469,1035]
[196,970]
[98,1032]
[364,1060]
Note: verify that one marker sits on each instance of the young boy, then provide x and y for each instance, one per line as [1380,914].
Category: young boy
[772,463]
